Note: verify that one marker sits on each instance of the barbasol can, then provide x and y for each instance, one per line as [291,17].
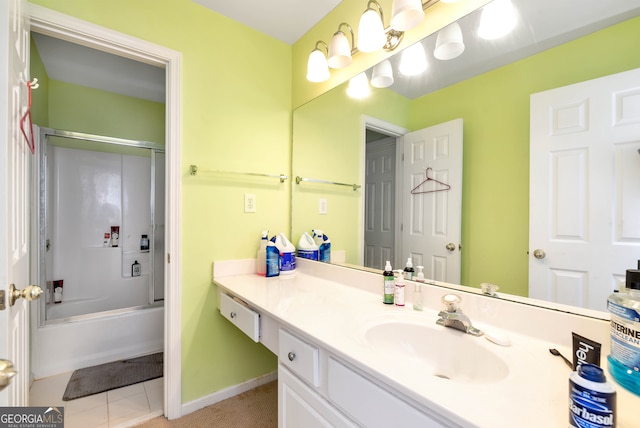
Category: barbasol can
[592,400]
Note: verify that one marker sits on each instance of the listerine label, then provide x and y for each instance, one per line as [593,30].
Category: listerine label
[625,335]
[589,408]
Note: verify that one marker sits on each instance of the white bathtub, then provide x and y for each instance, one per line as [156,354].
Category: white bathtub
[85,341]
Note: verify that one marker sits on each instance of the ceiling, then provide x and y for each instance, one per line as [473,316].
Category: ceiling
[546,23]
[285,20]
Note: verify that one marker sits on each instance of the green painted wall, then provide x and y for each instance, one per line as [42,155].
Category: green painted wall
[495,108]
[236,116]
[40,96]
[83,109]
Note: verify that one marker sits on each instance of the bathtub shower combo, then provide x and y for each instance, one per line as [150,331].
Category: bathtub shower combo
[104,294]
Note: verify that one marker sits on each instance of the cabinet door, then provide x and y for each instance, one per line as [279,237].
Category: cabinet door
[300,406]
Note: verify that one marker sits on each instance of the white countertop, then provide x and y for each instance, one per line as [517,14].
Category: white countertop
[533,394]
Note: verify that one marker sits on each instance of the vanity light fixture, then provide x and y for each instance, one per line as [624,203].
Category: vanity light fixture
[359,86]
[449,43]
[498,19]
[406,14]
[371,36]
[340,48]
[317,65]
[413,60]
[382,75]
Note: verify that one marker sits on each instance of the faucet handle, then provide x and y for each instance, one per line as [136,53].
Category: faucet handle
[451,302]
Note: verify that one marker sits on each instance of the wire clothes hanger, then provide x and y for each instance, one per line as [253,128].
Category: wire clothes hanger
[415,190]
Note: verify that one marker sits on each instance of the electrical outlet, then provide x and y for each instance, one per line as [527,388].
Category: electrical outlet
[249,203]
[322,206]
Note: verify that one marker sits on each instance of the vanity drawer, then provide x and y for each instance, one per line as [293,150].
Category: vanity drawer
[241,316]
[299,357]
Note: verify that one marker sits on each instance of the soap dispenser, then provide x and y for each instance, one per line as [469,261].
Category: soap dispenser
[417,293]
[388,288]
[408,270]
[399,289]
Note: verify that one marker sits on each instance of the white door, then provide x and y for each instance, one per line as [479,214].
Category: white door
[584,195]
[431,223]
[379,210]
[14,194]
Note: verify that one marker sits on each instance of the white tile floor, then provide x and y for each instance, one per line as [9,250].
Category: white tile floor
[123,407]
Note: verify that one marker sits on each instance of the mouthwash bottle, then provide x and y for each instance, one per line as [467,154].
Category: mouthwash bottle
[624,360]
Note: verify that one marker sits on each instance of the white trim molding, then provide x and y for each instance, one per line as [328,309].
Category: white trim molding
[229,392]
[65,27]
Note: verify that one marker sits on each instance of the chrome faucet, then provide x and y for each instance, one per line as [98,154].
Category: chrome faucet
[453,317]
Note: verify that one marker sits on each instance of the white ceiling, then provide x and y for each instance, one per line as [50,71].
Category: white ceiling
[285,20]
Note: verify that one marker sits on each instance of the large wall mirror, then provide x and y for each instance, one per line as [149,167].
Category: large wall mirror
[488,89]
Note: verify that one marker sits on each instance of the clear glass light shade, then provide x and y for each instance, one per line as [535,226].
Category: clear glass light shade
[406,14]
[413,60]
[317,67]
[382,75]
[497,20]
[449,43]
[358,86]
[371,35]
[339,51]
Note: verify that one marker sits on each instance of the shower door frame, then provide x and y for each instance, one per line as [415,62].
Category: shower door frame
[40,179]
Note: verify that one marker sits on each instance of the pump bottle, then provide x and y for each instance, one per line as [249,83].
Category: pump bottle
[408,270]
[389,286]
[399,289]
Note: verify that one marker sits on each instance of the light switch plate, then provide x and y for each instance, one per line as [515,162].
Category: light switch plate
[249,203]
[322,206]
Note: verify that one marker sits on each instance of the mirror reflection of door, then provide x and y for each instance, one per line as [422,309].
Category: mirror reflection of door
[380,200]
[585,199]
[429,222]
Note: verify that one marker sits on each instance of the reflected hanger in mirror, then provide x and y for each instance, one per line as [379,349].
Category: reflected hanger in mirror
[416,190]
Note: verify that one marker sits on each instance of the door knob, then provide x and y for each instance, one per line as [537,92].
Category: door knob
[7,372]
[32,292]
[539,254]
[451,246]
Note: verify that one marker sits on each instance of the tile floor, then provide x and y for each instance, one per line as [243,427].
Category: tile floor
[123,407]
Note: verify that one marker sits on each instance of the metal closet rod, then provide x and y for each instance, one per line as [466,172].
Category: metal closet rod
[193,170]
[313,180]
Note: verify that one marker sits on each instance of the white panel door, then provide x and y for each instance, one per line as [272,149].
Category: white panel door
[584,192]
[380,202]
[431,223]
[14,194]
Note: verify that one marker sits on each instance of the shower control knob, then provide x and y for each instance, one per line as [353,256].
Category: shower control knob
[32,292]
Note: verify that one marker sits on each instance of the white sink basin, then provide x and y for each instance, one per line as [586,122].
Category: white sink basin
[439,351]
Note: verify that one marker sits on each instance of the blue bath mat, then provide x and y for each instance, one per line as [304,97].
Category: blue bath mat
[105,377]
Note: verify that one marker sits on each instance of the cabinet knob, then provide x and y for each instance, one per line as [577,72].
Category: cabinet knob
[291,356]
[232,314]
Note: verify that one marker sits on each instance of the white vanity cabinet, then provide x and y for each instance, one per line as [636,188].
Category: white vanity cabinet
[340,397]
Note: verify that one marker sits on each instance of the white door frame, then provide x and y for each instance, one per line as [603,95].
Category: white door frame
[391,130]
[74,30]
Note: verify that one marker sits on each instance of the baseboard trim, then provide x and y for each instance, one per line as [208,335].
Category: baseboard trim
[229,392]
